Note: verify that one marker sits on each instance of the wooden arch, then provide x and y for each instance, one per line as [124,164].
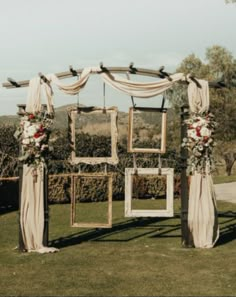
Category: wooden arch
[160,73]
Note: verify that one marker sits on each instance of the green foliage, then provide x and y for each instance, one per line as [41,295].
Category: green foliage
[220,65]
[59,188]
[9,151]
[92,145]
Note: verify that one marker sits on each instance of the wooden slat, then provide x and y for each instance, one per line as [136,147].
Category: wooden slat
[9,178]
[132,70]
[67,74]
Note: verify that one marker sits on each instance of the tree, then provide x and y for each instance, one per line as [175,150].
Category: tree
[220,65]
[229,161]
[9,150]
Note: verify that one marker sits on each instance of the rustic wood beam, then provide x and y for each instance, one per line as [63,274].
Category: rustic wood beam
[72,72]
[160,73]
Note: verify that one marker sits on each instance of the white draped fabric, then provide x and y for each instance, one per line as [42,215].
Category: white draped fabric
[32,193]
[73,88]
[139,89]
[132,88]
[202,213]
[35,94]
[32,211]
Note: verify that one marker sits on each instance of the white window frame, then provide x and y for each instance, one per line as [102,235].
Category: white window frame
[168,212]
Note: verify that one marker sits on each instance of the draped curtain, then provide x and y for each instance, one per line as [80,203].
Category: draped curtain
[32,192]
[202,213]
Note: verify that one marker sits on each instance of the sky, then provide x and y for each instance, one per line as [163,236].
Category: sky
[49,35]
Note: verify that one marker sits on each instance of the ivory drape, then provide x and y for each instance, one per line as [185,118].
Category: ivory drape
[131,88]
[202,213]
[32,193]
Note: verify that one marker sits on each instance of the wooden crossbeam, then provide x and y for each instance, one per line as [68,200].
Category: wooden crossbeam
[160,73]
[70,73]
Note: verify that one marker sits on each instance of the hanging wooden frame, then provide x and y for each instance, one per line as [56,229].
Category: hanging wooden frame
[112,111]
[109,200]
[168,212]
[162,148]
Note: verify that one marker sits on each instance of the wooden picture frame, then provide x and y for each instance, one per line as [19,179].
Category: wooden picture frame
[113,159]
[168,212]
[130,147]
[109,200]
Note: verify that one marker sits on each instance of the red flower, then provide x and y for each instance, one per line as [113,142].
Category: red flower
[38,134]
[31,116]
[41,128]
[198,131]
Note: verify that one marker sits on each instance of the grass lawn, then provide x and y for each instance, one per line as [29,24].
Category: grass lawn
[219,179]
[137,257]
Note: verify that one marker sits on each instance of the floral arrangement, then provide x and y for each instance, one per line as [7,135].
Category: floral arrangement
[200,142]
[33,135]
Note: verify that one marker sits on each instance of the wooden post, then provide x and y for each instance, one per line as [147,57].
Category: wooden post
[21,245]
[184,181]
[46,209]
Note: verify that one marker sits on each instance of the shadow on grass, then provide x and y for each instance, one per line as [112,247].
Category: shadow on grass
[227,227]
[134,228]
[122,232]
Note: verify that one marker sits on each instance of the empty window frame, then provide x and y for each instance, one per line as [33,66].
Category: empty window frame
[77,191]
[168,211]
[112,112]
[162,148]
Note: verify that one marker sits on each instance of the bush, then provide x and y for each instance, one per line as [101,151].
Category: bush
[59,188]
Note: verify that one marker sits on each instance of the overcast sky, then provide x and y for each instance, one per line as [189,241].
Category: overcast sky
[49,35]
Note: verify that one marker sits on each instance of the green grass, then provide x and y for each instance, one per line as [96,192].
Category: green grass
[137,257]
[220,179]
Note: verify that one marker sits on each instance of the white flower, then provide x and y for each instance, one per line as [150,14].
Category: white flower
[200,147]
[43,147]
[26,124]
[195,125]
[205,132]
[32,130]
[192,133]
[26,141]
